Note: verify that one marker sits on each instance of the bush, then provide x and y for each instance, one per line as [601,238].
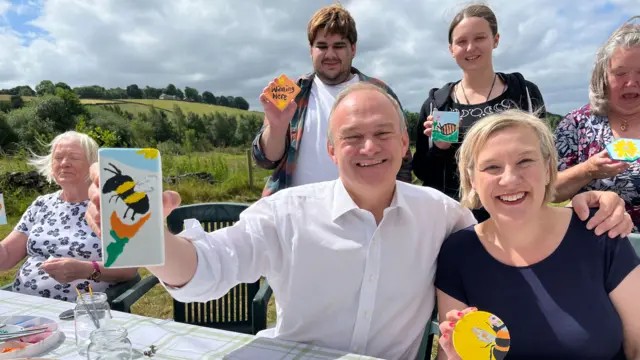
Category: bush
[31,131]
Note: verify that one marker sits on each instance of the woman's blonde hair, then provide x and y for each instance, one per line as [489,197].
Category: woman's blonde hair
[44,164]
[479,134]
[626,36]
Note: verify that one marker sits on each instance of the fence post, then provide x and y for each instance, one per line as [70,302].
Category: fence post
[250,169]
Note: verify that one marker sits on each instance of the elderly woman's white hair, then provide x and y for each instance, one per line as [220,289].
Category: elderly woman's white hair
[44,164]
[626,36]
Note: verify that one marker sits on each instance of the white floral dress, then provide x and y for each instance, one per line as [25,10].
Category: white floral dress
[56,228]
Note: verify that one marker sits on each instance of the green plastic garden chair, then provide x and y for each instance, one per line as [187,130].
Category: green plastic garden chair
[122,295]
[244,308]
[432,329]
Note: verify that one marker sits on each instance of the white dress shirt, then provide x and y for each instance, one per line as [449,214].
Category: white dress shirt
[339,280]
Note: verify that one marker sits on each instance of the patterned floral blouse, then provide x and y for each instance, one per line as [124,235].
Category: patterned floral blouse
[582,134]
[57,229]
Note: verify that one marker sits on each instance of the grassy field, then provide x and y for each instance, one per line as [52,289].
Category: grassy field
[142,105]
[198,108]
[4,97]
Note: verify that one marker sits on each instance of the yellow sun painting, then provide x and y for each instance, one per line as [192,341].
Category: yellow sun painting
[625,149]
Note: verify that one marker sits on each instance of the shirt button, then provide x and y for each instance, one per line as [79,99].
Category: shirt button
[371,278]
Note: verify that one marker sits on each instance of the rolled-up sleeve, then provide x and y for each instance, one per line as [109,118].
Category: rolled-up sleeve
[241,253]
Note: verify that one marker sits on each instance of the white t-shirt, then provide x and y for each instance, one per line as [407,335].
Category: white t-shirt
[313,163]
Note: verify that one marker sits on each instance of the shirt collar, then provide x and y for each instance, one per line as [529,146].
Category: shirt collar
[343,203]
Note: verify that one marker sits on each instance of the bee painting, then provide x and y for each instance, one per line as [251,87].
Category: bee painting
[124,188]
[447,129]
[498,344]
[445,126]
[3,215]
[131,219]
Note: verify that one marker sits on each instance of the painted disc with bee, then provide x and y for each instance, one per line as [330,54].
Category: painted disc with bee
[481,335]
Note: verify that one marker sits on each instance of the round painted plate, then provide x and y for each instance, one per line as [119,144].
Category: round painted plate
[481,335]
[29,346]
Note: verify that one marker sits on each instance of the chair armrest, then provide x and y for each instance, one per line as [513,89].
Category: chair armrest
[118,289]
[259,307]
[125,300]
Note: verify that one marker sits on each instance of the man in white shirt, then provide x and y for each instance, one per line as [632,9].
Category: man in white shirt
[292,142]
[351,261]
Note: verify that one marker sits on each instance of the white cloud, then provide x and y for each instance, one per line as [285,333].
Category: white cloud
[235,47]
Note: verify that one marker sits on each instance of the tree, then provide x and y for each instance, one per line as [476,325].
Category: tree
[170,90]
[223,101]
[45,87]
[190,93]
[16,102]
[151,92]
[241,103]
[208,98]
[25,91]
[134,92]
[179,94]
[62,86]
[91,92]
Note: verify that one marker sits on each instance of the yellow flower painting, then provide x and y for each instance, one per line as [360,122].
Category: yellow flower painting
[625,149]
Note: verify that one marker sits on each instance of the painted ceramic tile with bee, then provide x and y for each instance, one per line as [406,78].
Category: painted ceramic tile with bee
[445,126]
[131,217]
[3,212]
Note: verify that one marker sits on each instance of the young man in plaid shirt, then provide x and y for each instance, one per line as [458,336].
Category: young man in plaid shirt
[278,146]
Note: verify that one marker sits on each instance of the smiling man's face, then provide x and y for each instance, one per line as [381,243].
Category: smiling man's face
[369,143]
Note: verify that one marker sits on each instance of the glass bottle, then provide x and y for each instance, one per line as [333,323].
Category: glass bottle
[91,312]
[109,343]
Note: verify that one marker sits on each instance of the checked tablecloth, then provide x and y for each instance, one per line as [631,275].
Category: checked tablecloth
[172,340]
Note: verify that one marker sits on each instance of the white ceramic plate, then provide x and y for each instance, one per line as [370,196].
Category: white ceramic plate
[34,345]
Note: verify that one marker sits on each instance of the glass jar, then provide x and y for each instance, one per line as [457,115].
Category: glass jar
[91,312]
[109,343]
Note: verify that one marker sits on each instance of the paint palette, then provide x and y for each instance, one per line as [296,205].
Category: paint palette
[282,92]
[131,217]
[29,345]
[481,335]
[624,149]
[445,126]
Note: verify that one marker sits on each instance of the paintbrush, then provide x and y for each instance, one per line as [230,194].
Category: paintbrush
[86,307]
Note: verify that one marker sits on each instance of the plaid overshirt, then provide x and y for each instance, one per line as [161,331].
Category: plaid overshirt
[283,169]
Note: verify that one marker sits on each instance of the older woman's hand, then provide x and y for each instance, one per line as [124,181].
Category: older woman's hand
[65,270]
[602,166]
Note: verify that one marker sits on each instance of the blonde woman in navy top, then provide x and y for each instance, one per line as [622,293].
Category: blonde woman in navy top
[562,291]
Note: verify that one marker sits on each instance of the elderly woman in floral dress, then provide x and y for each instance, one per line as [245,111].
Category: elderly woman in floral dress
[613,112]
[61,250]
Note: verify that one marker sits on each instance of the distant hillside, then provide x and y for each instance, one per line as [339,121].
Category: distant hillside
[4,97]
[136,106]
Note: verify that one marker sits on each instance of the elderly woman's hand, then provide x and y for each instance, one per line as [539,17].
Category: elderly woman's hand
[602,166]
[65,270]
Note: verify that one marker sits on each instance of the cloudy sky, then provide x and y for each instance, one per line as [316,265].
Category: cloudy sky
[235,47]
